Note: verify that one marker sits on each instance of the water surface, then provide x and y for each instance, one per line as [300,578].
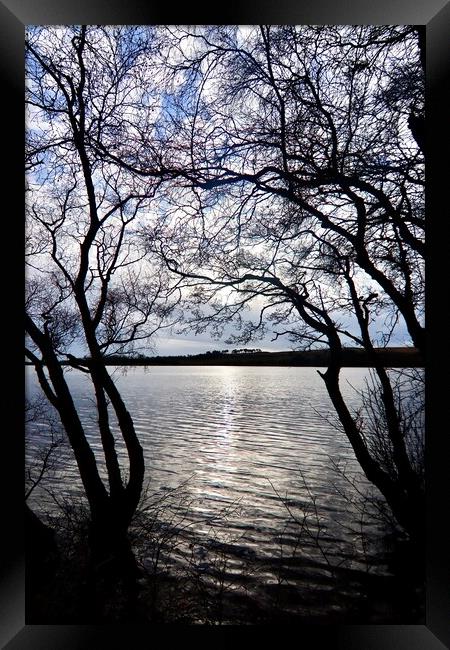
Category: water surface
[255,449]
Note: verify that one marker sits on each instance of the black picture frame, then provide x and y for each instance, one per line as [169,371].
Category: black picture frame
[435,15]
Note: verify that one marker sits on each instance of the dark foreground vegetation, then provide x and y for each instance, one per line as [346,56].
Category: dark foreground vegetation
[183,578]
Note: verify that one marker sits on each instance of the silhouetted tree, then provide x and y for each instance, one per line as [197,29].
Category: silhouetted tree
[302,194]
[87,284]
[294,176]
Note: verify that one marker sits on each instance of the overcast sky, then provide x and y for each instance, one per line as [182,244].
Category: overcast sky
[166,343]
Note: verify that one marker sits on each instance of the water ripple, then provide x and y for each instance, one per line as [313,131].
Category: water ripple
[237,435]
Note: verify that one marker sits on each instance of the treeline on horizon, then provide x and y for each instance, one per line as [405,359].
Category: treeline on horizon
[399,357]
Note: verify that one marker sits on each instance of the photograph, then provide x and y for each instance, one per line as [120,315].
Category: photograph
[225,324]
[232,415]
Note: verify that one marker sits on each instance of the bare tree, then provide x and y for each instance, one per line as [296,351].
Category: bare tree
[302,195]
[88,287]
[293,169]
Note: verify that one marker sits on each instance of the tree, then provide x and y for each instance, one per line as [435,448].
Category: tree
[278,167]
[88,286]
[299,171]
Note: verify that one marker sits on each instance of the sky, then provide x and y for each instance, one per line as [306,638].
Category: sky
[172,344]
[191,344]
[166,343]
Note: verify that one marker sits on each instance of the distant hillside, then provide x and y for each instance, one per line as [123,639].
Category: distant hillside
[352,357]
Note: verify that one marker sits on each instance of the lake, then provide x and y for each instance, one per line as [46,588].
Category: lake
[254,450]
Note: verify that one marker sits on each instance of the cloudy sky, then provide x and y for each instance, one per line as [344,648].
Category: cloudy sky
[167,343]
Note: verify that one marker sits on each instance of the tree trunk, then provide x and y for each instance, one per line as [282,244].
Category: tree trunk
[113,571]
[41,556]
[408,509]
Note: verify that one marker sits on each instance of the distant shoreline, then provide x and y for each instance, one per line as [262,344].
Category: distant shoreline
[352,357]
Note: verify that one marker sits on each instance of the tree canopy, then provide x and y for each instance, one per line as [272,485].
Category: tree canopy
[191,172]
